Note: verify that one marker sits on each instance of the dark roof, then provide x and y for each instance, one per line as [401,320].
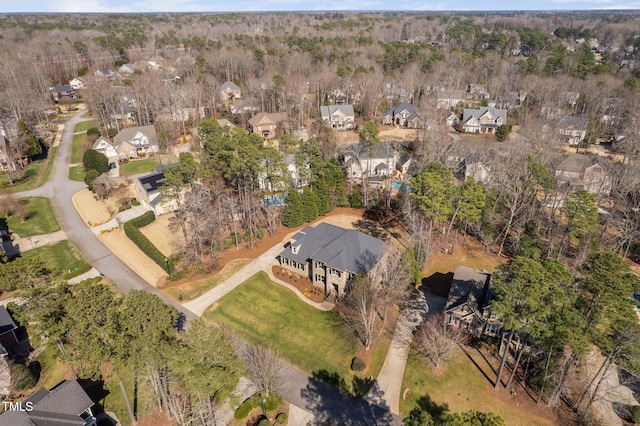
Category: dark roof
[469,285]
[62,406]
[6,322]
[398,108]
[578,163]
[339,248]
[152,182]
[62,89]
[572,122]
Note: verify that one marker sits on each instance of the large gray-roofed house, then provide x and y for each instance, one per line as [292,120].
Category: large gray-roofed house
[143,138]
[330,255]
[147,192]
[482,120]
[67,404]
[402,114]
[468,303]
[340,117]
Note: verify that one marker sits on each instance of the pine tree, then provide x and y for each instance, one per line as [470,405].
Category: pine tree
[323,198]
[292,216]
[356,198]
[309,205]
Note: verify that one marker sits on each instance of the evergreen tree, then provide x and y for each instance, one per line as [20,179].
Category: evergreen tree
[28,143]
[309,205]
[94,160]
[292,215]
[356,198]
[323,198]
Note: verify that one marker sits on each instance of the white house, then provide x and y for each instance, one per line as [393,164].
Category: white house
[103,145]
[381,160]
[77,83]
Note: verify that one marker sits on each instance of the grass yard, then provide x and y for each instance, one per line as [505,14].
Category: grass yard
[83,126]
[63,256]
[47,171]
[464,387]
[267,314]
[78,148]
[139,166]
[191,290]
[30,174]
[40,218]
[53,368]
[77,173]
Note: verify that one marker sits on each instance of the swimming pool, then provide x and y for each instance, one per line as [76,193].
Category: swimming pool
[397,186]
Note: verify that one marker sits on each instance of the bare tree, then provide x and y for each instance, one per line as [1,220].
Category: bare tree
[391,277]
[435,339]
[266,372]
[8,204]
[358,308]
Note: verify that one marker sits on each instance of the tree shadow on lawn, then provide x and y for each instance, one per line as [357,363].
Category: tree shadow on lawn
[332,406]
[465,349]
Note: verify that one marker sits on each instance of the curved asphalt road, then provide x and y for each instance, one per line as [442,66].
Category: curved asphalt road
[323,400]
[60,190]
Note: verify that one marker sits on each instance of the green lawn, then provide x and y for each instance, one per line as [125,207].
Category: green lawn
[464,387]
[39,220]
[63,256]
[53,368]
[47,171]
[191,290]
[139,166]
[83,126]
[76,173]
[77,148]
[30,174]
[267,314]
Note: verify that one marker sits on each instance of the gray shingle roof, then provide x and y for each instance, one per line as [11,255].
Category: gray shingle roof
[468,285]
[479,112]
[6,322]
[329,110]
[398,108]
[127,135]
[152,182]
[61,406]
[339,248]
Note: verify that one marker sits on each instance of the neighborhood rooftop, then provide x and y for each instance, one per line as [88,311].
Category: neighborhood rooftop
[339,248]
[469,285]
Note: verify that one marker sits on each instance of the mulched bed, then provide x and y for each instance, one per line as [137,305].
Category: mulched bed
[301,282]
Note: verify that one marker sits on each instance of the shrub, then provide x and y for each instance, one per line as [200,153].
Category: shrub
[635,414]
[357,364]
[94,160]
[274,400]
[22,377]
[93,131]
[264,422]
[135,202]
[138,238]
[281,418]
[247,407]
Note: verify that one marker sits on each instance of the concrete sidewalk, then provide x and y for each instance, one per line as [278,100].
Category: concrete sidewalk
[20,245]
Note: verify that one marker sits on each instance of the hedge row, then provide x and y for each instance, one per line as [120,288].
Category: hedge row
[138,238]
[273,401]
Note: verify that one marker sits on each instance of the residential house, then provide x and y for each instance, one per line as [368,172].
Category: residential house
[242,107]
[134,142]
[104,73]
[66,404]
[340,117]
[476,92]
[126,69]
[590,172]
[452,119]
[572,129]
[104,146]
[267,124]
[7,155]
[77,83]
[397,92]
[380,160]
[62,92]
[293,176]
[330,255]
[147,192]
[405,164]
[482,120]
[403,114]
[449,98]
[8,339]
[469,303]
[230,91]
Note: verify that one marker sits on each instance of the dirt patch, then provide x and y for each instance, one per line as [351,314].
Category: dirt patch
[120,245]
[302,283]
[121,194]
[398,134]
[159,234]
[90,210]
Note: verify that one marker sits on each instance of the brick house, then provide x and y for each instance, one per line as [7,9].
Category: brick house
[330,255]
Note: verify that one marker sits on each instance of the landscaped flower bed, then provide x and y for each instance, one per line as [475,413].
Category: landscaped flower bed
[300,282]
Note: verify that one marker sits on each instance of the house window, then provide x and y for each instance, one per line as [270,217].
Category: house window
[493,329]
[319,278]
